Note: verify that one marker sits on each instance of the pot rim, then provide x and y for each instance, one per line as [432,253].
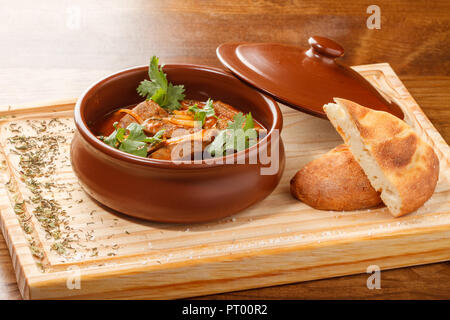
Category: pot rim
[90,138]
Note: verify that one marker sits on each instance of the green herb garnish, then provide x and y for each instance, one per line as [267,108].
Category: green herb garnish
[200,114]
[159,89]
[136,142]
[239,135]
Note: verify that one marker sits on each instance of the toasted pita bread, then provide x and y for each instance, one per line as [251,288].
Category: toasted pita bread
[397,162]
[334,181]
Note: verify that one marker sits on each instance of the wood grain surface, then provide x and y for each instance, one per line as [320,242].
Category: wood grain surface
[277,241]
[54,50]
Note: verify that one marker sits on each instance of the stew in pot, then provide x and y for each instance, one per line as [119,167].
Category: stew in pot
[167,126]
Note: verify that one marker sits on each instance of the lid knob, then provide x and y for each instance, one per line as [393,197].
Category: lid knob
[325,46]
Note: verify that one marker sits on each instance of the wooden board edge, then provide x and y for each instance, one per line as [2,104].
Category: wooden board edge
[19,251]
[68,105]
[43,106]
[253,269]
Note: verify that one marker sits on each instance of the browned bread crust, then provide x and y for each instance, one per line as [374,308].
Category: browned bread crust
[335,181]
[407,164]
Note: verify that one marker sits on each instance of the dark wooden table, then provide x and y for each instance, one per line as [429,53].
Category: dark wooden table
[54,49]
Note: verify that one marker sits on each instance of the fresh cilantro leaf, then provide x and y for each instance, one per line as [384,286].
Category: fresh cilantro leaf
[249,124]
[216,147]
[159,89]
[116,136]
[136,132]
[157,138]
[239,135]
[159,97]
[175,94]
[137,148]
[110,140]
[147,88]
[136,142]
[200,114]
[237,123]
[209,109]
[156,74]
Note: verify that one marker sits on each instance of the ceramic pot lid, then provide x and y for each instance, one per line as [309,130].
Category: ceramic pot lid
[302,79]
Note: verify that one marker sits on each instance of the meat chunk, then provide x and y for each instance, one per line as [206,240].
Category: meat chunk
[144,110]
[152,126]
[222,123]
[224,111]
[184,147]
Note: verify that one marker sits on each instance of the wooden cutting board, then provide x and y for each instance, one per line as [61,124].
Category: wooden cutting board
[64,245]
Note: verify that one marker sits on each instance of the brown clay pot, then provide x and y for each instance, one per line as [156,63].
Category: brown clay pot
[161,190]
